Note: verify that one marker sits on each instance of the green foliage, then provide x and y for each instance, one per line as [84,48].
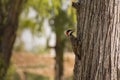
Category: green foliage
[12,74]
[35,66]
[60,19]
[31,76]
[19,47]
[40,6]
[28,23]
[41,12]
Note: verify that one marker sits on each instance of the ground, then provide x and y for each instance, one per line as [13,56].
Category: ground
[40,64]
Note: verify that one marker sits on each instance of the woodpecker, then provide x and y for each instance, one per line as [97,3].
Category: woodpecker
[68,33]
[74,42]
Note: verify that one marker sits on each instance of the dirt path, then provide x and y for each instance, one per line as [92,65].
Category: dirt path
[41,64]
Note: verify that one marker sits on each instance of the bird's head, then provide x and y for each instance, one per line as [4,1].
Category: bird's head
[68,32]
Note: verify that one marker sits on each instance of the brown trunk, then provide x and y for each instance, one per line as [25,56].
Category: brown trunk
[59,59]
[8,27]
[98,38]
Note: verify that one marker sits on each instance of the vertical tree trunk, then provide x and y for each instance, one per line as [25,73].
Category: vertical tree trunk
[59,49]
[8,25]
[98,30]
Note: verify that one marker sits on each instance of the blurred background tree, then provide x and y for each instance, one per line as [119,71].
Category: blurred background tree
[60,21]
[59,16]
[9,17]
[39,18]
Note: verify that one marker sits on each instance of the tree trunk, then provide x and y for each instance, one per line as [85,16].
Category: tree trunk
[9,13]
[59,49]
[98,29]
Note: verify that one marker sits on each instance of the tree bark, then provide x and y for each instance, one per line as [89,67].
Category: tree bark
[9,13]
[59,27]
[59,49]
[98,30]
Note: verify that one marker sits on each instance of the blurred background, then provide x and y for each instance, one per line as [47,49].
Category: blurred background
[41,50]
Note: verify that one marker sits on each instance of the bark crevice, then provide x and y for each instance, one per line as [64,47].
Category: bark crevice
[98,29]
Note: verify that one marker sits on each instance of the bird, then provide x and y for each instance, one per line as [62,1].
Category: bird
[74,42]
[68,33]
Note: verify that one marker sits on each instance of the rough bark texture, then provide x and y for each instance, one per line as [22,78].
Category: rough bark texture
[9,13]
[98,30]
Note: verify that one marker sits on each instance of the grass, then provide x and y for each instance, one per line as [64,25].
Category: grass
[30,76]
[35,66]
